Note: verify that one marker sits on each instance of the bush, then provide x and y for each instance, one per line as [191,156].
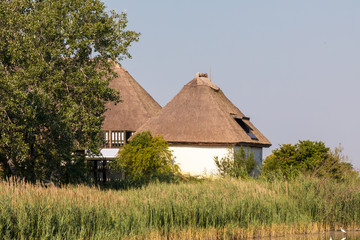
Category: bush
[237,163]
[145,159]
[308,157]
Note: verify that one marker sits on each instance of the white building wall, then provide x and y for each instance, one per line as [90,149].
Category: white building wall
[258,153]
[199,160]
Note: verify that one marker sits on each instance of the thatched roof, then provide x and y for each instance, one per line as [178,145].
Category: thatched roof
[137,105]
[201,114]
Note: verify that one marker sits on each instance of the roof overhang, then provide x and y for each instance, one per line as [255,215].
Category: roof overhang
[105,153]
[218,144]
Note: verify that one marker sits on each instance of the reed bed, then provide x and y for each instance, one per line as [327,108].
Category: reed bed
[211,209]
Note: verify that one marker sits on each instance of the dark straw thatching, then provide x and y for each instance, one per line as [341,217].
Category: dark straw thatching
[201,114]
[137,105]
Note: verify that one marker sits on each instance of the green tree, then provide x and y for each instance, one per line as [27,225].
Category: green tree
[55,67]
[237,163]
[309,157]
[146,158]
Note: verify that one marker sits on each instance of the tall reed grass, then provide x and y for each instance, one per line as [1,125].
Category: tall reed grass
[218,208]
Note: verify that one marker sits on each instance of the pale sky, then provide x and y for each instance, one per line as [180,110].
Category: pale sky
[292,66]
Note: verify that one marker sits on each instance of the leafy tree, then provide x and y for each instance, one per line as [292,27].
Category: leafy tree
[146,158]
[336,166]
[237,163]
[309,157]
[55,67]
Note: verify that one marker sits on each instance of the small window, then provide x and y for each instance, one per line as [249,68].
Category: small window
[117,138]
[246,127]
[252,136]
[105,137]
[128,135]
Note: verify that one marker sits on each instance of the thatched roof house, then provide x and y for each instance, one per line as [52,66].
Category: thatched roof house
[201,114]
[201,117]
[137,106]
[121,121]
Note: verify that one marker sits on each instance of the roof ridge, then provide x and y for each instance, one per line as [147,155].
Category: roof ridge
[201,79]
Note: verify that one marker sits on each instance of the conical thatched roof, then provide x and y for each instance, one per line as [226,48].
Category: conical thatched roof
[201,114]
[137,105]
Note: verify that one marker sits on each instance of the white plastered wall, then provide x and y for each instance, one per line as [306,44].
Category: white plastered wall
[199,160]
[257,153]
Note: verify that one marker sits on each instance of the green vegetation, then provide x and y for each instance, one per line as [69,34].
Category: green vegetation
[307,157]
[223,208]
[237,163]
[144,159]
[55,59]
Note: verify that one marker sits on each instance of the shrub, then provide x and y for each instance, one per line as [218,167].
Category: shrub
[237,163]
[146,158]
[308,157]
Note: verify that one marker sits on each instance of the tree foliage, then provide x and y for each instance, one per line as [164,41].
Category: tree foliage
[146,158]
[55,67]
[237,163]
[309,157]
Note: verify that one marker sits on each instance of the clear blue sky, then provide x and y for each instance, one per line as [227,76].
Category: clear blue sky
[292,66]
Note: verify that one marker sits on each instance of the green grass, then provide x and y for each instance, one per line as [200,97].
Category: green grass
[223,208]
